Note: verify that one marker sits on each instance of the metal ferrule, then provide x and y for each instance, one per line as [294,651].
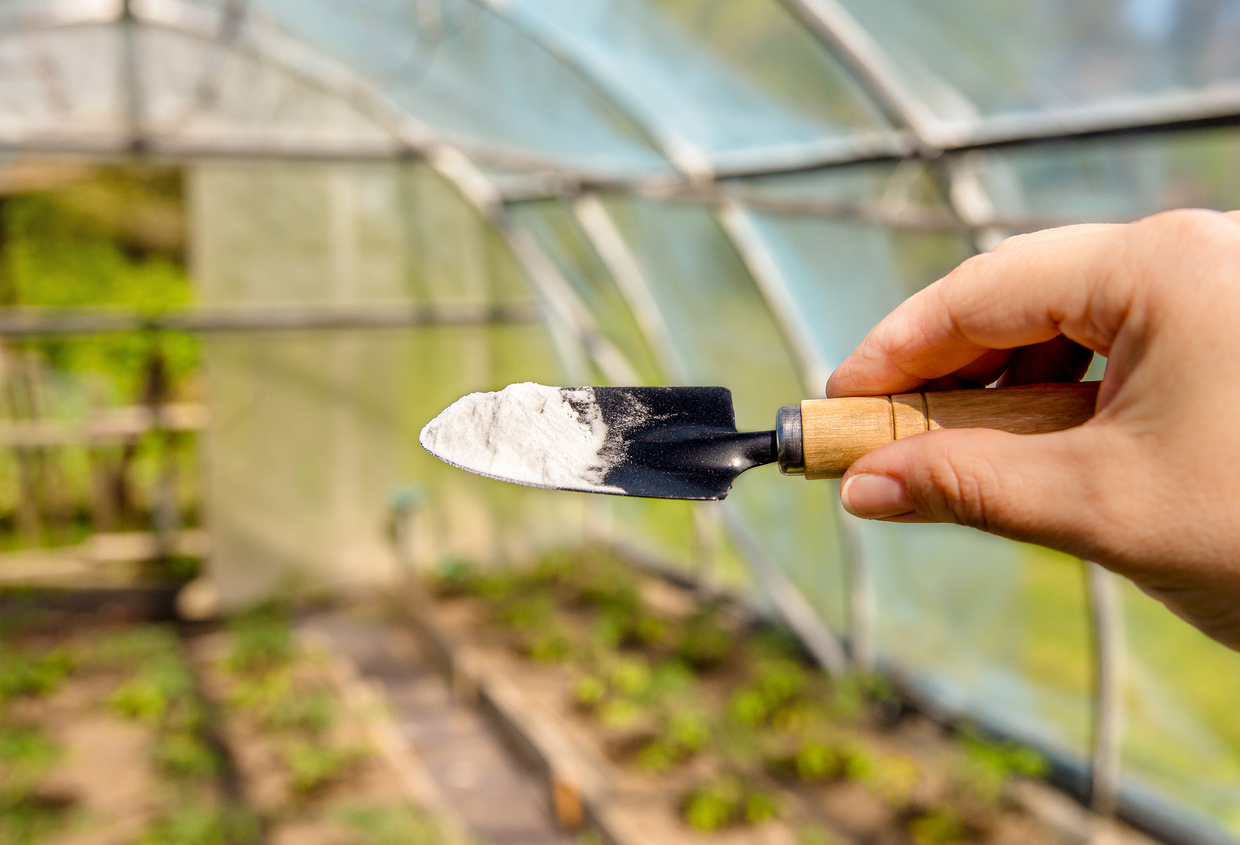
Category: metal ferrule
[788,440]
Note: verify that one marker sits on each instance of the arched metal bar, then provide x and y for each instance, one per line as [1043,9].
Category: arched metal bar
[685,156]
[841,33]
[749,244]
[1158,113]
[556,295]
[609,245]
[1110,679]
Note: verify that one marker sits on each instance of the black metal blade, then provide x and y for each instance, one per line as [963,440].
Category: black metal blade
[677,442]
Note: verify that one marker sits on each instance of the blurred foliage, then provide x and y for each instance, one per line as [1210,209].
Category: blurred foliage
[389,825]
[112,240]
[23,673]
[262,639]
[203,824]
[745,695]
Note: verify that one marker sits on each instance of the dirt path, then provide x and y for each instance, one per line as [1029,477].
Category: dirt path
[497,798]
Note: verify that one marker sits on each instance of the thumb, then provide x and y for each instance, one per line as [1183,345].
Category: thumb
[1034,487]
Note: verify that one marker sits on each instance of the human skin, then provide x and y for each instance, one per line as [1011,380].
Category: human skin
[1150,487]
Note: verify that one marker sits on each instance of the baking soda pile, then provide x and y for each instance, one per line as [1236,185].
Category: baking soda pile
[528,433]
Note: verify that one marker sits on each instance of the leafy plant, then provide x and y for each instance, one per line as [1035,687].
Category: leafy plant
[262,640]
[25,754]
[589,691]
[454,577]
[704,643]
[817,761]
[390,825]
[760,807]
[939,826]
[201,824]
[140,698]
[184,753]
[987,767]
[26,674]
[713,806]
[312,767]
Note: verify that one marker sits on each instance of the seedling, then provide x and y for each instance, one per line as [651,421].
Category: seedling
[262,640]
[24,674]
[184,753]
[25,754]
[200,824]
[713,806]
[312,767]
[987,767]
[589,691]
[390,826]
[705,643]
[454,577]
[939,826]
[816,761]
[724,801]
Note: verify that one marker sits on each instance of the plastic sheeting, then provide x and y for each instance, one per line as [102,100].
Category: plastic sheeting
[312,436]
[315,432]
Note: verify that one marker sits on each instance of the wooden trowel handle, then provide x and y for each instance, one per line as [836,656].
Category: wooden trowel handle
[836,432]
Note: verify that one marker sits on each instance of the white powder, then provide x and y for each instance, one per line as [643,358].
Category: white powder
[528,433]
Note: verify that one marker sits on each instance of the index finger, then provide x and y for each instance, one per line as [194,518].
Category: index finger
[1028,290]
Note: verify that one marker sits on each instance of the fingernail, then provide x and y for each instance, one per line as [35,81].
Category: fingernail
[875,497]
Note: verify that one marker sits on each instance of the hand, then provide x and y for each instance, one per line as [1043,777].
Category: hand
[1150,487]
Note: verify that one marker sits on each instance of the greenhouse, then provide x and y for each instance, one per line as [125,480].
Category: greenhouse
[392,203]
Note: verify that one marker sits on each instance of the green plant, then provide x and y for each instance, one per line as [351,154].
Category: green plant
[813,834]
[454,577]
[313,712]
[201,824]
[816,761]
[25,754]
[748,708]
[312,767]
[705,643]
[25,674]
[184,753]
[549,646]
[780,681]
[631,677]
[26,820]
[685,734]
[262,640]
[619,713]
[938,826]
[760,807]
[139,698]
[892,778]
[713,805]
[987,767]
[390,825]
[589,691]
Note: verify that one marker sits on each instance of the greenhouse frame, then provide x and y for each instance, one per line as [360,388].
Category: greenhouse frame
[396,202]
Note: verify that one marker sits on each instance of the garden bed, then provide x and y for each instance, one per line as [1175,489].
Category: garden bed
[103,738]
[116,732]
[661,719]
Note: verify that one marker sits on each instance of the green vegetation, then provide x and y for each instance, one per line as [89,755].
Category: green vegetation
[389,825]
[203,824]
[269,685]
[312,766]
[769,719]
[160,692]
[22,673]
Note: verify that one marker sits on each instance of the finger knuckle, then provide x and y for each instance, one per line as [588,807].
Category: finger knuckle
[961,488]
[1188,225]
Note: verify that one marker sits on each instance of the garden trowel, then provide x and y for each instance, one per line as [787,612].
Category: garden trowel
[682,442]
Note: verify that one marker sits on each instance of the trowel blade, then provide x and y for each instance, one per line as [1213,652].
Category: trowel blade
[657,442]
